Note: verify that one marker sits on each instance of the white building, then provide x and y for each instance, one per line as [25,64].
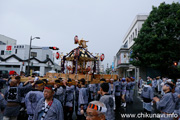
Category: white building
[134,30]
[4,40]
[123,67]
[101,68]
[115,64]
[15,57]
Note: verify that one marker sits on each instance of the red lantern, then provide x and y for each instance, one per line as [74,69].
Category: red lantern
[57,55]
[102,57]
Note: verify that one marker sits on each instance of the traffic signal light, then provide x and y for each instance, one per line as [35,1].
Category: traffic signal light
[175,63]
[54,48]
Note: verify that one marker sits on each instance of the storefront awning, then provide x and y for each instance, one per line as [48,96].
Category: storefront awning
[129,70]
[122,66]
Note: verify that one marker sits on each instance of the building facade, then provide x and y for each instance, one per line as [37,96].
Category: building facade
[15,57]
[4,40]
[123,67]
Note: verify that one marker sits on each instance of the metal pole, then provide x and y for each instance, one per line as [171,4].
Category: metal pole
[98,66]
[76,65]
[29,55]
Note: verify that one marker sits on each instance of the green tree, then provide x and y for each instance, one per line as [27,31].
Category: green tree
[158,42]
[108,70]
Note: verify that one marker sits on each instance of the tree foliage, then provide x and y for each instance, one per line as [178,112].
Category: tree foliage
[158,42]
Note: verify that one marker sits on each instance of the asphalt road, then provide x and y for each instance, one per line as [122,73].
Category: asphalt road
[134,108]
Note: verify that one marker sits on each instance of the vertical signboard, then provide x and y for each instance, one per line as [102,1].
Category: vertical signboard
[8,49]
[124,58]
[113,66]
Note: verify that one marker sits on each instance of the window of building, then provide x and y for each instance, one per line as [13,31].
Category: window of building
[8,66]
[33,54]
[2,43]
[126,44]
[136,32]
[133,35]
[15,51]
[16,66]
[2,52]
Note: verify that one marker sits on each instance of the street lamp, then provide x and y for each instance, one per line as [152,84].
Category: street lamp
[30,51]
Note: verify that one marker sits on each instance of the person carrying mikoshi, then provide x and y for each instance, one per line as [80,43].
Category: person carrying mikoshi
[107,99]
[167,103]
[49,108]
[147,96]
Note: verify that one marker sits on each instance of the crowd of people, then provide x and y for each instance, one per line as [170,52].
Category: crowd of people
[165,94]
[38,100]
